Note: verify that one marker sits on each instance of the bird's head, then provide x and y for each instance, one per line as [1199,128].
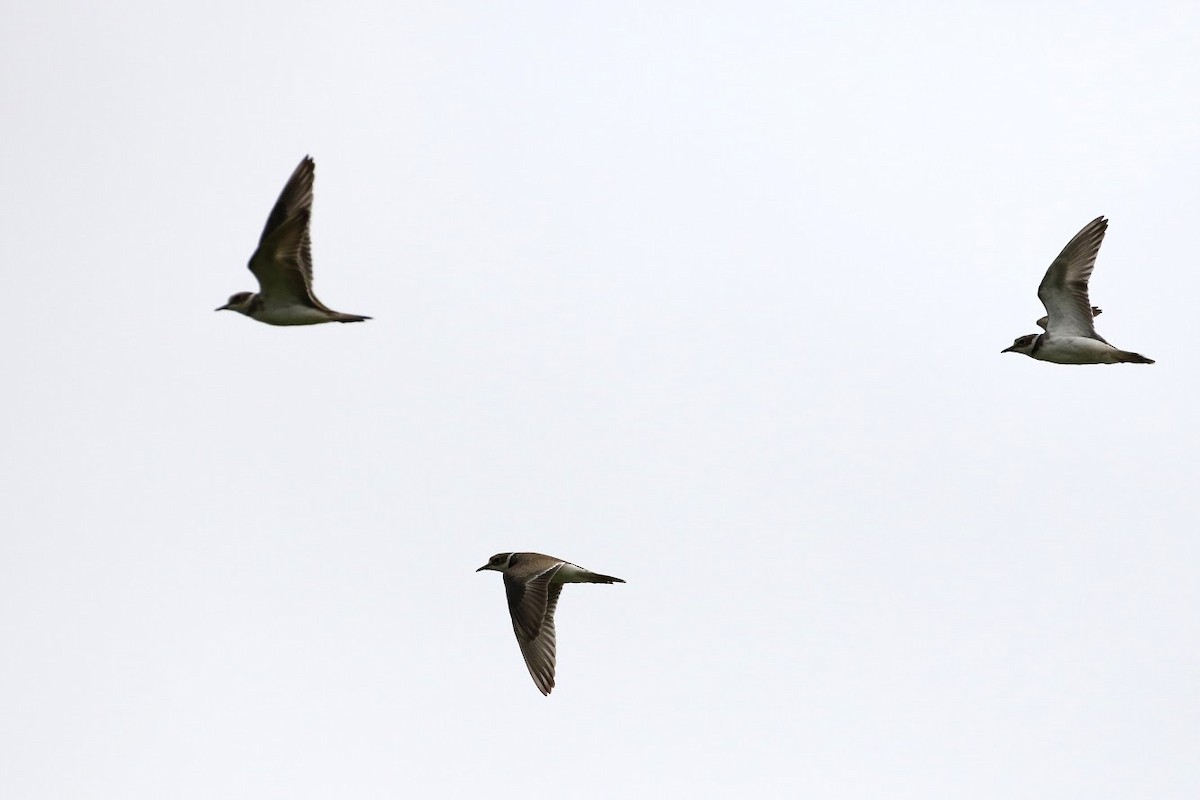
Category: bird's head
[497,562]
[237,302]
[1022,344]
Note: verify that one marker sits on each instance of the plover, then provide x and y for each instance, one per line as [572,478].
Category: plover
[283,263]
[1070,335]
[533,582]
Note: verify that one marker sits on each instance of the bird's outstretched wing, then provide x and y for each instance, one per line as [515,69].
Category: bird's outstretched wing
[1064,289]
[283,261]
[531,604]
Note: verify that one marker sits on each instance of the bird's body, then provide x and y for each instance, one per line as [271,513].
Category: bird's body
[1080,350]
[533,583]
[283,263]
[1070,334]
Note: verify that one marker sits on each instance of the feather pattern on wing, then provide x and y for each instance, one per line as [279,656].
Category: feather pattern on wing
[540,651]
[1064,289]
[283,261]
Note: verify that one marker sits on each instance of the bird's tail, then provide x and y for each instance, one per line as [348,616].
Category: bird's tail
[1134,358]
[592,577]
[350,317]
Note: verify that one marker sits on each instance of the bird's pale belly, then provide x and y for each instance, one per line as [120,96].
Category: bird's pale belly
[292,315]
[1077,350]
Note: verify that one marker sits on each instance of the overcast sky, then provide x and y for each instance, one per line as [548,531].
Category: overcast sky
[708,296]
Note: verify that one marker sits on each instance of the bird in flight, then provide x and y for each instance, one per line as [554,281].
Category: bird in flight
[533,582]
[1069,335]
[283,263]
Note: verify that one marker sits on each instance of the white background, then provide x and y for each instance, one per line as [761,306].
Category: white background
[708,296]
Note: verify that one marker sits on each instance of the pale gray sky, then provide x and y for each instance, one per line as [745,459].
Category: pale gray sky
[709,296]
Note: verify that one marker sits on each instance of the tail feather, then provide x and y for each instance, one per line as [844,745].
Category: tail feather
[350,317]
[593,577]
[1134,358]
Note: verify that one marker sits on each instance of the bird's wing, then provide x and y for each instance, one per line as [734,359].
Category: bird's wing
[1064,289]
[539,652]
[531,604]
[283,261]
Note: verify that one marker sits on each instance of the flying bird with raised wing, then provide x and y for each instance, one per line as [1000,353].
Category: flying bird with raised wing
[1069,331]
[283,263]
[533,582]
